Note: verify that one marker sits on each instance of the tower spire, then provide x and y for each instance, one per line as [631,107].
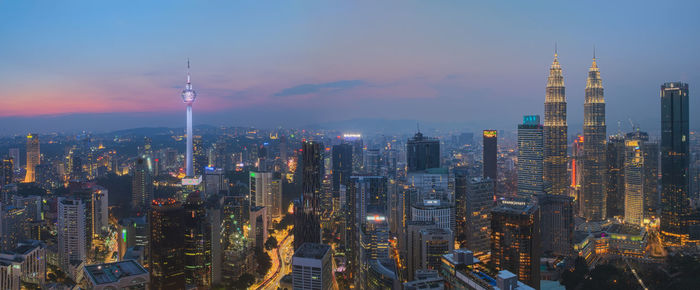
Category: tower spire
[595,65]
[188,70]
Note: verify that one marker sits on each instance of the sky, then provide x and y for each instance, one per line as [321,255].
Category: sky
[105,65]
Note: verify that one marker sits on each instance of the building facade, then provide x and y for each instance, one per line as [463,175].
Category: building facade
[594,138]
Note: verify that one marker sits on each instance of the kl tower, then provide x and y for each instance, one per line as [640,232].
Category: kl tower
[188,96]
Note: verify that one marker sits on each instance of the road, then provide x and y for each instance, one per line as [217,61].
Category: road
[282,254]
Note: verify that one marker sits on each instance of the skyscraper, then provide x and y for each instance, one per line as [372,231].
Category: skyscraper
[33,157]
[71,233]
[14,154]
[615,184]
[141,186]
[422,153]
[650,155]
[198,243]
[490,157]
[515,240]
[674,162]
[530,156]
[479,202]
[341,158]
[188,96]
[556,224]
[594,137]
[555,131]
[634,182]
[307,216]
[264,191]
[167,243]
[7,171]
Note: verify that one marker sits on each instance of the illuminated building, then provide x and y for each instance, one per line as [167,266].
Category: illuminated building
[515,240]
[71,234]
[119,275]
[33,157]
[612,240]
[133,232]
[7,174]
[650,158]
[555,131]
[189,96]
[422,153]
[372,162]
[615,184]
[341,169]
[312,267]
[461,270]
[411,246]
[490,157]
[141,186]
[358,148]
[432,183]
[634,183]
[214,181]
[439,211]
[167,243]
[382,274]
[13,226]
[557,224]
[371,194]
[28,258]
[266,190]
[530,156]
[460,175]
[675,208]
[14,154]
[594,137]
[374,245]
[479,201]
[428,280]
[433,243]
[307,226]
[99,212]
[375,238]
[577,159]
[198,243]
[200,160]
[258,226]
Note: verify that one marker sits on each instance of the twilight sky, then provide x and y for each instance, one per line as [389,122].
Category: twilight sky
[102,65]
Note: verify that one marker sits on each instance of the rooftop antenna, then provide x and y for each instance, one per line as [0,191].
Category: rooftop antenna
[188,70]
[418,126]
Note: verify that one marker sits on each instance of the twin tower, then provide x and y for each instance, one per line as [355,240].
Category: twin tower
[556,178]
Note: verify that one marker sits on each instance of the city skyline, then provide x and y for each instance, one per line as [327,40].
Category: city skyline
[274,64]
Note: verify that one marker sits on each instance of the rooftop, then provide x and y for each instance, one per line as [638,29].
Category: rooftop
[312,251]
[515,207]
[625,229]
[112,272]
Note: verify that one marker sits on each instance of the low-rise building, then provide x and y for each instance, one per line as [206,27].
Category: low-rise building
[461,270]
[120,275]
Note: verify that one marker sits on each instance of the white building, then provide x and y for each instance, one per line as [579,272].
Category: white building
[71,233]
[634,183]
[30,258]
[311,267]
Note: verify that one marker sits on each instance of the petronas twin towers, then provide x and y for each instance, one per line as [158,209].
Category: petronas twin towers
[556,176]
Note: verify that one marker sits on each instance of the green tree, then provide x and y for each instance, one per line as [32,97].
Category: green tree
[271,243]
[263,260]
